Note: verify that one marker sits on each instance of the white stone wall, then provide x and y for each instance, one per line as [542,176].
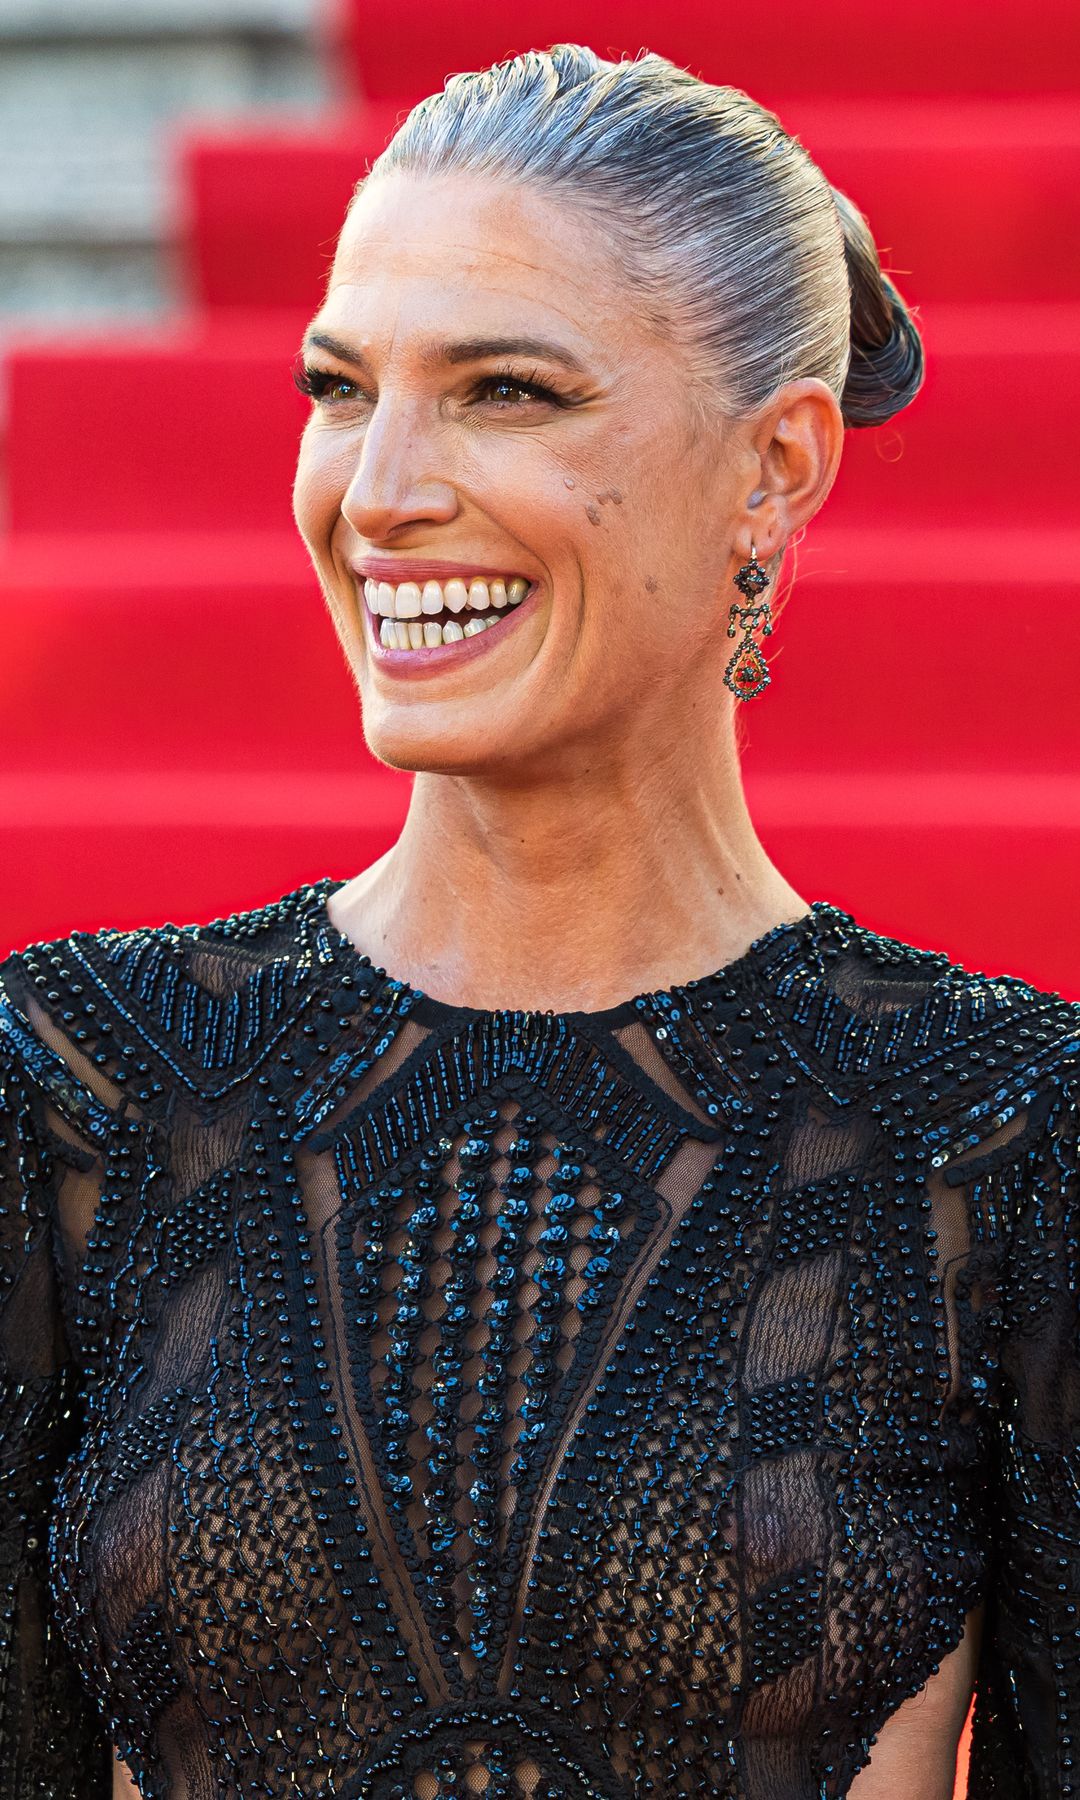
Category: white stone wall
[90,91]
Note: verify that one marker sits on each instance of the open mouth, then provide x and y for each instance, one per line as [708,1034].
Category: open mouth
[409,615]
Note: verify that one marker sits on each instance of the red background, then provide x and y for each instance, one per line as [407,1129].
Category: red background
[178,735]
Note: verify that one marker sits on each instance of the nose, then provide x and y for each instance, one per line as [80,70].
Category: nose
[395,482]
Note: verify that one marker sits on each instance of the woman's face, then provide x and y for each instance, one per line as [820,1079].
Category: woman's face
[492,405]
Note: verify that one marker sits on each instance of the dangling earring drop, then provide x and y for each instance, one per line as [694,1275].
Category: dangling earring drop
[747,673]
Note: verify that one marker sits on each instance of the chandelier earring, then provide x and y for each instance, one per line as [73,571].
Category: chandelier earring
[747,673]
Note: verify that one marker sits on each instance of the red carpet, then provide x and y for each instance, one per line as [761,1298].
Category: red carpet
[179,734]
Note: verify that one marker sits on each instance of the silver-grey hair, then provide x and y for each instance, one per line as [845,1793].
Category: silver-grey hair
[729,230]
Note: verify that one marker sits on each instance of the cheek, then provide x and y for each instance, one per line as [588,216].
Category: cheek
[322,477]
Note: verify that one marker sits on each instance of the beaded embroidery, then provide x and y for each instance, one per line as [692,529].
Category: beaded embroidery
[403,1401]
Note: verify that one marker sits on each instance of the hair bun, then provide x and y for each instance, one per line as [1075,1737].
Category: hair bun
[887,365]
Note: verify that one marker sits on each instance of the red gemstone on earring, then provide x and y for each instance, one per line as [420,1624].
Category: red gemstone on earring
[747,673]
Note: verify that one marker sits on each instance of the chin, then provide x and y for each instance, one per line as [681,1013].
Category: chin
[400,745]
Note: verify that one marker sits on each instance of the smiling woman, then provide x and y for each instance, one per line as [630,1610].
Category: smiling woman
[556,1316]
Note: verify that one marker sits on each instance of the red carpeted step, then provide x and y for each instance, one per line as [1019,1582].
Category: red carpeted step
[896,653]
[922,651]
[198,429]
[970,200]
[190,428]
[162,652]
[285,187]
[836,46]
[987,874]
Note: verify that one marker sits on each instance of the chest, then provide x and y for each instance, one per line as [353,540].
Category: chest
[504,1415]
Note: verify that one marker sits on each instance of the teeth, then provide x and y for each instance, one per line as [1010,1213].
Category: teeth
[414,634]
[407,600]
[408,613]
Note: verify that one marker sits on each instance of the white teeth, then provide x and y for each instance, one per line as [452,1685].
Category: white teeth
[411,634]
[407,611]
[408,600]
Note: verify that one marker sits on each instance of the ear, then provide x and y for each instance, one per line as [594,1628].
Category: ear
[797,439]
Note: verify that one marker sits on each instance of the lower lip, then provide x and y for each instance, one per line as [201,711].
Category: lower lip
[432,659]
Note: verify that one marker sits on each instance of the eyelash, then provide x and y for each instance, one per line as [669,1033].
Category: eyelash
[317,383]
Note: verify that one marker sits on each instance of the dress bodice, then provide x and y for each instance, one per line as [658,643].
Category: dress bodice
[404,1401]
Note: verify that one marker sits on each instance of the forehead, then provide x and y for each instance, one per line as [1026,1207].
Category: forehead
[419,253]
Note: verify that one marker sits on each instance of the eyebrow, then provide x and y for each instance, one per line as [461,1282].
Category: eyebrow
[464,350]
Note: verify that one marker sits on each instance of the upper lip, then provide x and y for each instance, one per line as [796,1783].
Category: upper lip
[395,569]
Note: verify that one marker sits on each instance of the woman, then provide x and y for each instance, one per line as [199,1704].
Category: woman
[431,1372]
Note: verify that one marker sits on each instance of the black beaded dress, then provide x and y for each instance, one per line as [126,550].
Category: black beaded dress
[414,1402]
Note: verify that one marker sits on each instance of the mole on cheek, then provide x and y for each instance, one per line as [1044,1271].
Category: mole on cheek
[593,513]
[651,585]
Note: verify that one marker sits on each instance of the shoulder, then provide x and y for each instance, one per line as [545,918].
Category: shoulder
[152,1005]
[945,1049]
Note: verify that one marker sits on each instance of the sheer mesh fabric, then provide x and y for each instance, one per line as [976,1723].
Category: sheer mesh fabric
[406,1401]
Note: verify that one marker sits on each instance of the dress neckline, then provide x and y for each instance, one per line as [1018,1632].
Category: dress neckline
[790,936]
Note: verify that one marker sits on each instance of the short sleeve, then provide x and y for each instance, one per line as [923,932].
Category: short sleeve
[53,1742]
[1026,1741]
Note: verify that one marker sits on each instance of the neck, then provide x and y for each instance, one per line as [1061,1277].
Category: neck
[573,894]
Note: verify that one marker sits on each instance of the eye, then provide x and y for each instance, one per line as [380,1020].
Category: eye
[519,388]
[324,384]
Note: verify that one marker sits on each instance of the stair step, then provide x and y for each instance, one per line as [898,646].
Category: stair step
[958,191]
[201,427]
[996,891]
[836,46]
[900,654]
